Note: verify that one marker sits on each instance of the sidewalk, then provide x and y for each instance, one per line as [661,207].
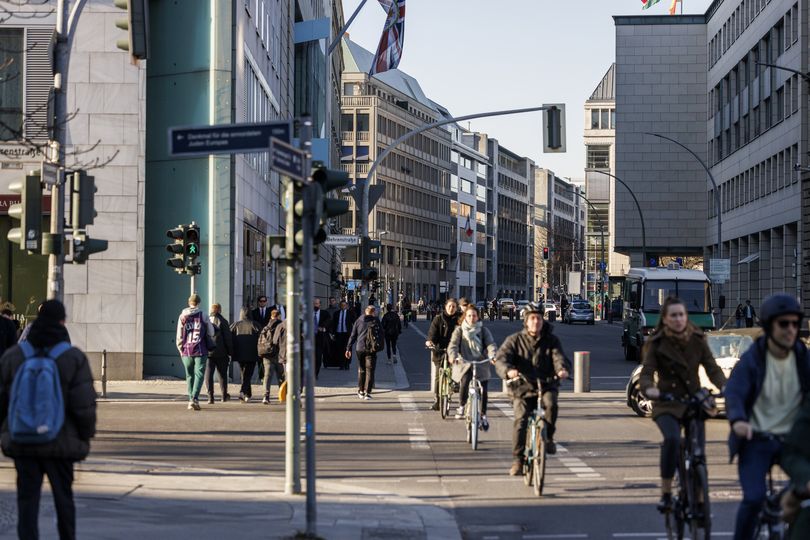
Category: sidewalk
[130,499]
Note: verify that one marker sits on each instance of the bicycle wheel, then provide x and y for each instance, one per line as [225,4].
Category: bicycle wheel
[700,517]
[528,458]
[475,419]
[540,462]
[467,422]
[444,397]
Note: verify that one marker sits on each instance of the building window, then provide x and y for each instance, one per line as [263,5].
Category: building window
[481,193]
[11,89]
[347,122]
[605,119]
[598,157]
[362,153]
[454,183]
[612,118]
[466,186]
[348,89]
[362,122]
[345,153]
[595,119]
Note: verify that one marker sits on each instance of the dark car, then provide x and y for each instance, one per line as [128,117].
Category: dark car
[579,311]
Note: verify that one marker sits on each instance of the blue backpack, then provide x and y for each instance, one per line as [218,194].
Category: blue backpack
[37,411]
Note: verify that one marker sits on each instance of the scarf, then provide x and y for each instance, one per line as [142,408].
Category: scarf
[680,338]
[472,337]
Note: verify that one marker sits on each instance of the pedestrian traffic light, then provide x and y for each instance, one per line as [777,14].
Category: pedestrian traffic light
[546,253]
[136,23]
[554,128]
[328,180]
[29,212]
[295,235]
[177,248]
[191,248]
[82,206]
[82,247]
[369,252]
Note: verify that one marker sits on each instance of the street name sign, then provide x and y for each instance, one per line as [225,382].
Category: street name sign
[49,173]
[341,240]
[226,138]
[719,270]
[286,159]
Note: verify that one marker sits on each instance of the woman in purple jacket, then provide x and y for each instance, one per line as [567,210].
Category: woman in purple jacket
[192,327]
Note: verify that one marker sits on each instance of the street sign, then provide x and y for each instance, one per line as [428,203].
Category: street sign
[286,159]
[226,138]
[719,270]
[341,240]
[49,173]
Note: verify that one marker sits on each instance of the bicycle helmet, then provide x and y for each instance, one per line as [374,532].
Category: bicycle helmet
[533,307]
[777,305]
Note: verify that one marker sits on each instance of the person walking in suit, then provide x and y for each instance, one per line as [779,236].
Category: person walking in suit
[333,307]
[342,325]
[321,320]
[750,314]
[246,350]
[220,357]
[262,313]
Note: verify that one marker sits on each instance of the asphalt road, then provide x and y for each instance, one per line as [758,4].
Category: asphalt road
[603,484]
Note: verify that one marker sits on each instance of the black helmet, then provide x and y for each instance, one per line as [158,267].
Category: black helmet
[533,307]
[777,305]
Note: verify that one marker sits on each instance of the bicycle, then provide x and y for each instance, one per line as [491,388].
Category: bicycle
[445,382]
[473,412]
[690,505]
[534,453]
[770,525]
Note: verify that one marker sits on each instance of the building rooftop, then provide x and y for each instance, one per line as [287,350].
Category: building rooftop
[606,90]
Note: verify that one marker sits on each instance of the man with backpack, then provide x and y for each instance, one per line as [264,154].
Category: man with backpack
[269,351]
[367,333]
[46,437]
[220,356]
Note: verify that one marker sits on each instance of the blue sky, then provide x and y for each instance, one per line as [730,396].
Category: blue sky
[478,55]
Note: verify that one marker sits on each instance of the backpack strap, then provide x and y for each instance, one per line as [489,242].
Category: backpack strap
[57,350]
[27,349]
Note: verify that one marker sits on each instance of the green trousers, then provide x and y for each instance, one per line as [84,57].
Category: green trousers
[195,373]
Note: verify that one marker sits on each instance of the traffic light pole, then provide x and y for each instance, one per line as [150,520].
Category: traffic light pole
[292,484]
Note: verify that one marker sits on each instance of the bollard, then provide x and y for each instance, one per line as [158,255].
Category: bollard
[104,373]
[582,372]
[432,377]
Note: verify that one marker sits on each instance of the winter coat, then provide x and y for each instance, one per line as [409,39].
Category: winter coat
[459,348]
[245,341]
[440,332]
[190,337]
[267,339]
[8,334]
[280,340]
[222,336]
[392,326]
[348,322]
[748,377]
[677,367]
[73,441]
[538,359]
[359,331]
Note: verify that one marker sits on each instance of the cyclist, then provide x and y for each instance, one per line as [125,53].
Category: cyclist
[763,395]
[536,354]
[439,334]
[796,463]
[471,342]
[674,353]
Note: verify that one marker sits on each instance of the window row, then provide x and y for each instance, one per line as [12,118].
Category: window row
[415,228]
[422,171]
[598,156]
[603,118]
[258,108]
[510,184]
[390,128]
[267,27]
[786,30]
[414,198]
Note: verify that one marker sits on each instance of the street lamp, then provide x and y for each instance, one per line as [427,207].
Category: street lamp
[602,237]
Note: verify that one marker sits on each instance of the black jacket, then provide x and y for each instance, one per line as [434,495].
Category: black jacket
[73,441]
[245,341]
[441,330]
[8,334]
[392,326]
[359,331]
[335,321]
[222,337]
[538,359]
[256,316]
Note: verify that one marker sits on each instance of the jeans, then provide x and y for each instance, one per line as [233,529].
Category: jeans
[366,363]
[246,371]
[272,367]
[391,345]
[755,459]
[195,373]
[29,489]
[671,430]
[220,365]
[464,391]
[524,407]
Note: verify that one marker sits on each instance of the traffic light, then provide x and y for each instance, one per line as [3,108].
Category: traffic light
[82,247]
[546,253]
[82,206]
[191,248]
[295,237]
[29,212]
[554,128]
[328,180]
[177,248]
[136,24]
[369,252]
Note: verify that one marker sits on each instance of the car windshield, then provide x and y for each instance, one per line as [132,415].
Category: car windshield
[728,346]
[695,294]
[581,306]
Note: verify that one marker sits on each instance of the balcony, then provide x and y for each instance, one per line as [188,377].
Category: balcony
[347,136]
[358,101]
[362,136]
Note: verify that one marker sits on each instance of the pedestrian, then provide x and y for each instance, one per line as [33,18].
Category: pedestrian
[8,331]
[342,325]
[55,458]
[322,324]
[438,338]
[462,309]
[367,335]
[246,350]
[193,326]
[262,313]
[406,311]
[392,328]
[220,356]
[750,314]
[739,315]
[269,352]
[333,307]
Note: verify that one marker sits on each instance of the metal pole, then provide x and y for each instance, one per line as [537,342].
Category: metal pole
[582,372]
[640,213]
[292,484]
[343,30]
[104,373]
[193,283]
[363,216]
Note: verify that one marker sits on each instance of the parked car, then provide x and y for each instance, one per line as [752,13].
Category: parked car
[520,306]
[579,311]
[727,347]
[550,307]
[504,305]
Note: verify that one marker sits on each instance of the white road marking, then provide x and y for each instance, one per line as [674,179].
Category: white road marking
[552,536]
[660,535]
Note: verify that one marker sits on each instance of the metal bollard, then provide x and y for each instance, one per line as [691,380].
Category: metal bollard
[104,373]
[582,372]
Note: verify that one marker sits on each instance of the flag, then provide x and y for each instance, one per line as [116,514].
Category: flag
[674,6]
[389,51]
[468,230]
[648,3]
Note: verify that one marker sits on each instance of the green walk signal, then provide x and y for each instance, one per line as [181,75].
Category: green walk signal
[177,248]
[191,247]
[29,212]
[136,23]
[82,247]
[328,180]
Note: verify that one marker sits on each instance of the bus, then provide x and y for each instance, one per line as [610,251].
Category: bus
[645,289]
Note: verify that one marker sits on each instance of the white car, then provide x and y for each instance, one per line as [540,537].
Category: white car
[520,306]
[549,307]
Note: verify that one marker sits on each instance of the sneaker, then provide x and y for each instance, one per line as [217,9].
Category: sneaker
[195,405]
[665,504]
[459,413]
[517,468]
[361,394]
[226,397]
[484,423]
[244,398]
[396,358]
[191,405]
[551,448]
[367,397]
[435,406]
[266,400]
[210,400]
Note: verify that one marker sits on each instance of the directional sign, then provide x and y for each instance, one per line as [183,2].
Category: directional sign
[341,240]
[719,270]
[226,138]
[287,160]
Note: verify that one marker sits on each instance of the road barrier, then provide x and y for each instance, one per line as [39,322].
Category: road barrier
[582,372]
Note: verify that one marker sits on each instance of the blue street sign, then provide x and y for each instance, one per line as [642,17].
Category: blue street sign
[226,138]
[286,159]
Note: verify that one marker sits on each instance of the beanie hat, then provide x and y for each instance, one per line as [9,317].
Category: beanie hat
[52,311]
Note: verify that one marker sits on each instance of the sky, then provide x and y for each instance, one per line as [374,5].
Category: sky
[478,55]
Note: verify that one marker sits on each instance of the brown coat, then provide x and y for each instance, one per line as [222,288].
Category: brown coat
[677,369]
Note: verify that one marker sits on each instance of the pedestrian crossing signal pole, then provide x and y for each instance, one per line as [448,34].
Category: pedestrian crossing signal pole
[292,484]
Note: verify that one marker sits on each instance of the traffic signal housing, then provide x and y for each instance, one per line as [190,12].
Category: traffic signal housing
[191,248]
[177,248]
[82,206]
[81,247]
[554,128]
[136,23]
[546,253]
[29,212]
[295,237]
[369,252]
[328,180]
